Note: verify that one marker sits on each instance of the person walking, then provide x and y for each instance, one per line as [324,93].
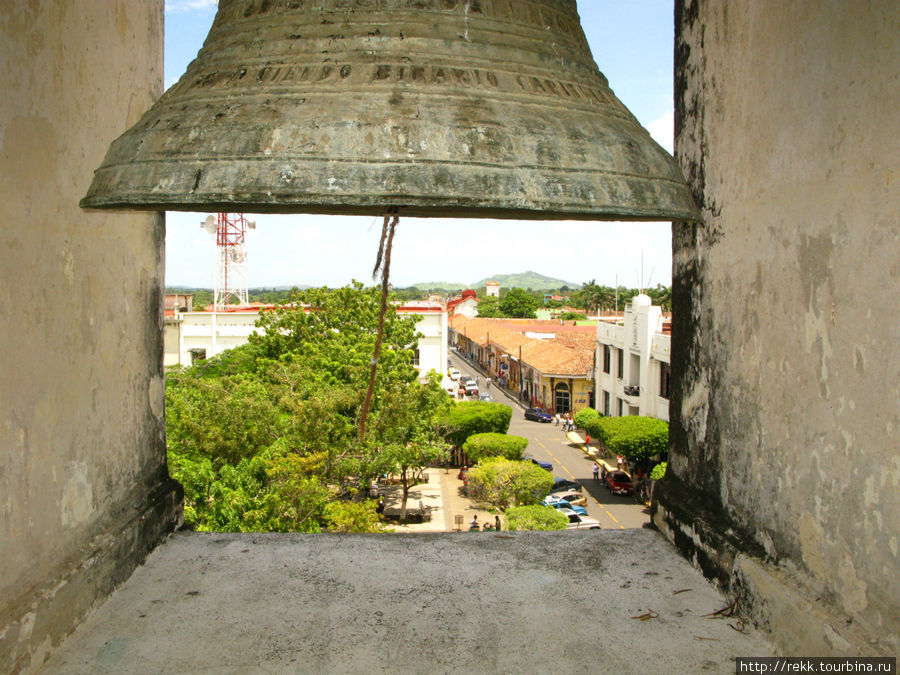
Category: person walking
[473,526]
[497,523]
[596,472]
[556,417]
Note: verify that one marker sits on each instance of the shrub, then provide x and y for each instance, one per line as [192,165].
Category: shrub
[353,516]
[479,446]
[535,518]
[474,417]
[658,471]
[633,436]
[587,419]
[500,482]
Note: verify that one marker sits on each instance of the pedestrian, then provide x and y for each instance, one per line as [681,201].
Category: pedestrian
[556,417]
[473,526]
[497,523]
[596,472]
[603,473]
[588,441]
[620,461]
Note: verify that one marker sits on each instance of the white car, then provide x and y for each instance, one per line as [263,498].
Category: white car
[578,522]
[453,373]
[471,388]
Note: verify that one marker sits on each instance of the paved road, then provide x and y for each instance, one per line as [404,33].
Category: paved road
[547,442]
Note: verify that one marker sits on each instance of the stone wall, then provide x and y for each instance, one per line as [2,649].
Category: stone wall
[84,490]
[784,469]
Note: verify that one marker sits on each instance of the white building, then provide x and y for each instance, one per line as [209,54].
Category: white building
[198,335]
[492,288]
[632,365]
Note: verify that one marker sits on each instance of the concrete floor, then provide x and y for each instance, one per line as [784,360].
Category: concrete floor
[531,602]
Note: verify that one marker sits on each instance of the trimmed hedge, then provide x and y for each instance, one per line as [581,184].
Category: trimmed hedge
[633,436]
[500,482]
[479,446]
[587,419]
[535,518]
[467,418]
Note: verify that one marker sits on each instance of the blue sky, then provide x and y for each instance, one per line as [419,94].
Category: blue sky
[632,43]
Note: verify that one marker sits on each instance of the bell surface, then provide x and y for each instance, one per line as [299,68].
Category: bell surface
[450,108]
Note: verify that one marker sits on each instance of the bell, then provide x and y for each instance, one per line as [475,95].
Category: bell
[451,108]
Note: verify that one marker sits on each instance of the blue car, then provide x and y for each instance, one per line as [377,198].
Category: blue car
[544,465]
[538,415]
[557,503]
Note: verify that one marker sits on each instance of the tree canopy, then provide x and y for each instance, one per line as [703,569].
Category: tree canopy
[264,437]
[518,303]
[479,446]
[632,436]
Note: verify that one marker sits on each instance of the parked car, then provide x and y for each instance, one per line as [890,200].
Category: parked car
[619,483]
[471,388]
[484,396]
[563,485]
[453,373]
[579,522]
[544,465]
[538,415]
[550,500]
[573,497]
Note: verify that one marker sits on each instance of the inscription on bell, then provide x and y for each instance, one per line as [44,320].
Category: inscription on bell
[435,75]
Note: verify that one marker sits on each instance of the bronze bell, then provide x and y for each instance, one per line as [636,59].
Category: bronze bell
[460,108]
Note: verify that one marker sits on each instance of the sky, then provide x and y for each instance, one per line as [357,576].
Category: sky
[632,44]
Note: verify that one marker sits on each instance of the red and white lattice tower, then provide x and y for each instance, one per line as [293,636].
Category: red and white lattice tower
[231,256]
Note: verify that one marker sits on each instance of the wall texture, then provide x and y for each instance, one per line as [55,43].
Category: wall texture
[785,421]
[84,491]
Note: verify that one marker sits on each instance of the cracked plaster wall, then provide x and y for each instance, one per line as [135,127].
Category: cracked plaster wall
[82,438]
[785,424]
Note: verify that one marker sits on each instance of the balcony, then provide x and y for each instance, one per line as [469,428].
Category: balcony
[631,390]
[461,602]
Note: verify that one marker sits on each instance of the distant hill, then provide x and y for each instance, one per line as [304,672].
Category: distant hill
[440,286]
[532,280]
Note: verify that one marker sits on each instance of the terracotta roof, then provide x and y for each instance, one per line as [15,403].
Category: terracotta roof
[569,353]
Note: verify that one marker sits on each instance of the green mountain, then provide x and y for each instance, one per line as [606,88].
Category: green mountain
[532,280]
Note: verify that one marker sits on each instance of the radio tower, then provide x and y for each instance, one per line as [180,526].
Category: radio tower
[231,256]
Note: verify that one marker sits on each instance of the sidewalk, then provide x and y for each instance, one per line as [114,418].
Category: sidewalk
[511,395]
[441,498]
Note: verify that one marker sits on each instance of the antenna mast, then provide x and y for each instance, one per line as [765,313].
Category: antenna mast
[231,257]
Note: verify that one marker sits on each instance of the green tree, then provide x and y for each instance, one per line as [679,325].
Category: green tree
[463,419]
[262,436]
[587,419]
[489,307]
[343,516]
[658,471]
[535,518]
[479,446]
[518,303]
[500,482]
[633,436]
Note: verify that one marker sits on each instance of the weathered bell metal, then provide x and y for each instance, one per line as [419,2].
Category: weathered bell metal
[461,108]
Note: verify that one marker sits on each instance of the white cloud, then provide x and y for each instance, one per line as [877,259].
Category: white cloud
[663,131]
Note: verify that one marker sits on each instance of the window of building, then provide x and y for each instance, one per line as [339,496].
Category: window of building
[197,354]
[665,380]
[620,364]
[619,407]
[606,403]
[415,359]
[606,359]
[563,398]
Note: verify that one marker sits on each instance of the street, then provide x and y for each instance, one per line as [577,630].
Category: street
[547,442]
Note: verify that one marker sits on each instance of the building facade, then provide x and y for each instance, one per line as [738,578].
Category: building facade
[190,336]
[632,369]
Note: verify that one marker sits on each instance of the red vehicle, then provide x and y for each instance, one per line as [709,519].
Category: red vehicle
[619,483]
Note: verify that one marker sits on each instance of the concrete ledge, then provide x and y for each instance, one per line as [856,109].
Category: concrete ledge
[518,602]
[42,617]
